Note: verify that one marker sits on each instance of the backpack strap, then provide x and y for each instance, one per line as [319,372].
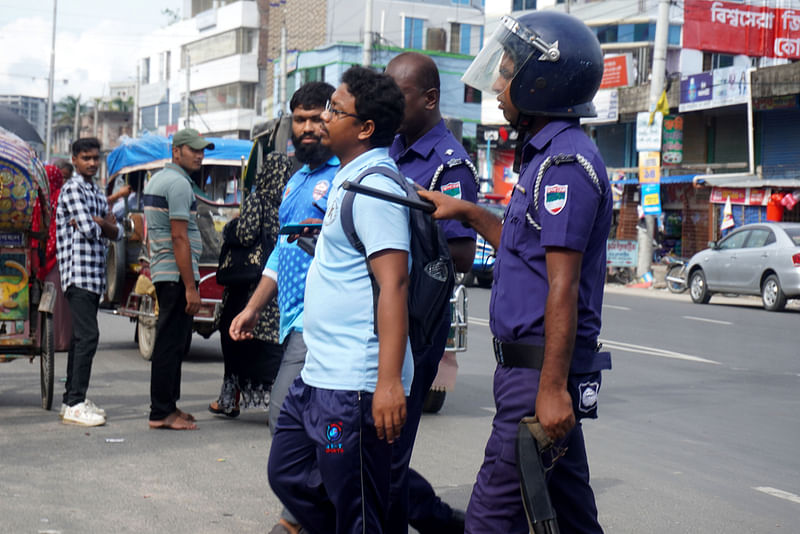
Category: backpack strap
[560,159]
[346,215]
[349,227]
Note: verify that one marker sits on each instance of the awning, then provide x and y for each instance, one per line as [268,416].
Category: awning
[745,180]
[665,180]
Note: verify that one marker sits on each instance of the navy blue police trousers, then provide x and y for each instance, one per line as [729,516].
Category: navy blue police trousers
[496,505]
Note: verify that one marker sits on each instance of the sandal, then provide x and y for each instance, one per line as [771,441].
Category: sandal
[215,409]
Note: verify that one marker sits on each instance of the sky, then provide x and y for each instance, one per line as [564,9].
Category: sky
[97,42]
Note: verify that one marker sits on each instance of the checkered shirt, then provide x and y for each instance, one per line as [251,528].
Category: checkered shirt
[81,251]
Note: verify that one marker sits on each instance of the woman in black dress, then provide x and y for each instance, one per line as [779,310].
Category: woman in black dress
[251,365]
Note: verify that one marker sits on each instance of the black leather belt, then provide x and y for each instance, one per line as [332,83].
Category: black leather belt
[518,354]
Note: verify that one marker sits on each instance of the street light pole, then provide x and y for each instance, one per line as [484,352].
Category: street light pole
[656,87]
[49,132]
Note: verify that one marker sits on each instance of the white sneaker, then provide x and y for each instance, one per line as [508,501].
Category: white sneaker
[80,414]
[92,407]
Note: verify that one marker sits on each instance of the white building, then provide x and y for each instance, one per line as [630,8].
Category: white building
[219,40]
[32,108]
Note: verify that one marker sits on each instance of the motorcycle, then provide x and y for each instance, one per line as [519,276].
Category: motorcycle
[676,274]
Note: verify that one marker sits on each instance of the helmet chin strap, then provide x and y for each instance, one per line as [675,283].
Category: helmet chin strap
[523,126]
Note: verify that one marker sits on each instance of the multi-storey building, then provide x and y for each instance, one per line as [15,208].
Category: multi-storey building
[32,108]
[217,42]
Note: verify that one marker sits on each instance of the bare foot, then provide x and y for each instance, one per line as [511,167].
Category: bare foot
[291,527]
[173,422]
[184,415]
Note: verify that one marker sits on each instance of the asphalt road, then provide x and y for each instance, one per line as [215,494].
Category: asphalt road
[698,432]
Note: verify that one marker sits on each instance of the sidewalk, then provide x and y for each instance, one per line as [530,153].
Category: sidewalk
[659,290]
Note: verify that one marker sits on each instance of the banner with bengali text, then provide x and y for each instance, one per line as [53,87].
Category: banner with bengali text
[755,28]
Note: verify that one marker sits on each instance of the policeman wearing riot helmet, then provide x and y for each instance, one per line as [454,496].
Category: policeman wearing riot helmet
[545,68]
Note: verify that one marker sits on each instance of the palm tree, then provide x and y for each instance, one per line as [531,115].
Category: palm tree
[118,104]
[64,114]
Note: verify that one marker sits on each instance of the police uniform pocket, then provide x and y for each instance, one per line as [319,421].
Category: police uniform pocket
[584,390]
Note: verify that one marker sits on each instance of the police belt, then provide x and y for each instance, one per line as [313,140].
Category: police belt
[532,356]
[518,354]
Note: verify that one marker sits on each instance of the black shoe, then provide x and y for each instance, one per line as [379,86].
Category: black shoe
[219,411]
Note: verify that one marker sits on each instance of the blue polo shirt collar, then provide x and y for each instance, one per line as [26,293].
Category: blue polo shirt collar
[332,162]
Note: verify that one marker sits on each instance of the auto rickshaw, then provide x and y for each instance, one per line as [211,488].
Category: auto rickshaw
[218,190]
[26,304]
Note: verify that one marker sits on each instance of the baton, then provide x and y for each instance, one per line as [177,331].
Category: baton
[419,204]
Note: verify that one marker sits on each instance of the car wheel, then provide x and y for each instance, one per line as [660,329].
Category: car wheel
[772,295]
[698,289]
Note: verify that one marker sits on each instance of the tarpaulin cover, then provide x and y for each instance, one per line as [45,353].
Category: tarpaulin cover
[155,148]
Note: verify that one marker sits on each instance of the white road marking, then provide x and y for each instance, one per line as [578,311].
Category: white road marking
[478,321]
[612,307]
[692,318]
[791,497]
[489,409]
[652,351]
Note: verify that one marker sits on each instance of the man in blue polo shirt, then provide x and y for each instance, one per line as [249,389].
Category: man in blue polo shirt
[549,273]
[175,247]
[305,197]
[429,154]
[330,459]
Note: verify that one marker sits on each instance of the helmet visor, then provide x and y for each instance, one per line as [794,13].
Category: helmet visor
[500,59]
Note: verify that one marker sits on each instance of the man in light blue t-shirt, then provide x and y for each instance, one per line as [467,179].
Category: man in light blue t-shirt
[330,459]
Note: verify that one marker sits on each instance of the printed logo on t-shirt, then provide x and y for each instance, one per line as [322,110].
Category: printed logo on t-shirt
[452,189]
[320,189]
[330,215]
[555,198]
[286,192]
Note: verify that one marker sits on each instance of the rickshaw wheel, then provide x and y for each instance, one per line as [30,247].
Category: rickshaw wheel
[434,401]
[146,334]
[47,360]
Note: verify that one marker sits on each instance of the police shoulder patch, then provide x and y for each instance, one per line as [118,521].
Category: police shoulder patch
[555,198]
[588,392]
[452,189]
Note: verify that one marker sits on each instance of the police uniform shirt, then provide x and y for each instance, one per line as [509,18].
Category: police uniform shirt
[420,161]
[574,213]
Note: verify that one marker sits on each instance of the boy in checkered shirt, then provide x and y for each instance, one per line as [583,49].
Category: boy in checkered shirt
[83,225]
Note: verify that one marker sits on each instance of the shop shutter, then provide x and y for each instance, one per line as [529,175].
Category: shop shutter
[780,155]
[694,138]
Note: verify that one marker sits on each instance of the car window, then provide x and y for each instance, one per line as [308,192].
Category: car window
[733,241]
[760,237]
[794,235]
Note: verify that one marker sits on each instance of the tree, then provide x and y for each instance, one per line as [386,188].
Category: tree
[118,104]
[64,113]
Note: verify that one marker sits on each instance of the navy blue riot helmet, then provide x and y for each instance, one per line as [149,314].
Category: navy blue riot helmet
[552,61]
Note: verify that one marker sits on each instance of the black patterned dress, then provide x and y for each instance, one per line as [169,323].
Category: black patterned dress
[251,365]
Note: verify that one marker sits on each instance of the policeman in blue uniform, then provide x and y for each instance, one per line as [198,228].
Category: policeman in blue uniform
[428,153]
[548,276]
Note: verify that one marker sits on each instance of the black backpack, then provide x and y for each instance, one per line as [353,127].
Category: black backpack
[432,275]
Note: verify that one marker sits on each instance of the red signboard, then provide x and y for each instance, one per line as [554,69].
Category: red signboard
[759,29]
[616,71]
[739,195]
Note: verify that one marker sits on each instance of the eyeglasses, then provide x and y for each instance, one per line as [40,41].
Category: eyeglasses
[338,113]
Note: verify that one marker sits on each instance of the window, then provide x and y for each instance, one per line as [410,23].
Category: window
[760,237]
[146,70]
[314,74]
[520,5]
[734,240]
[713,61]
[465,39]
[222,97]
[239,41]
[412,37]
[471,95]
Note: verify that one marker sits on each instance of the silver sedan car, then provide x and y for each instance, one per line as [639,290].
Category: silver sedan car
[756,259]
